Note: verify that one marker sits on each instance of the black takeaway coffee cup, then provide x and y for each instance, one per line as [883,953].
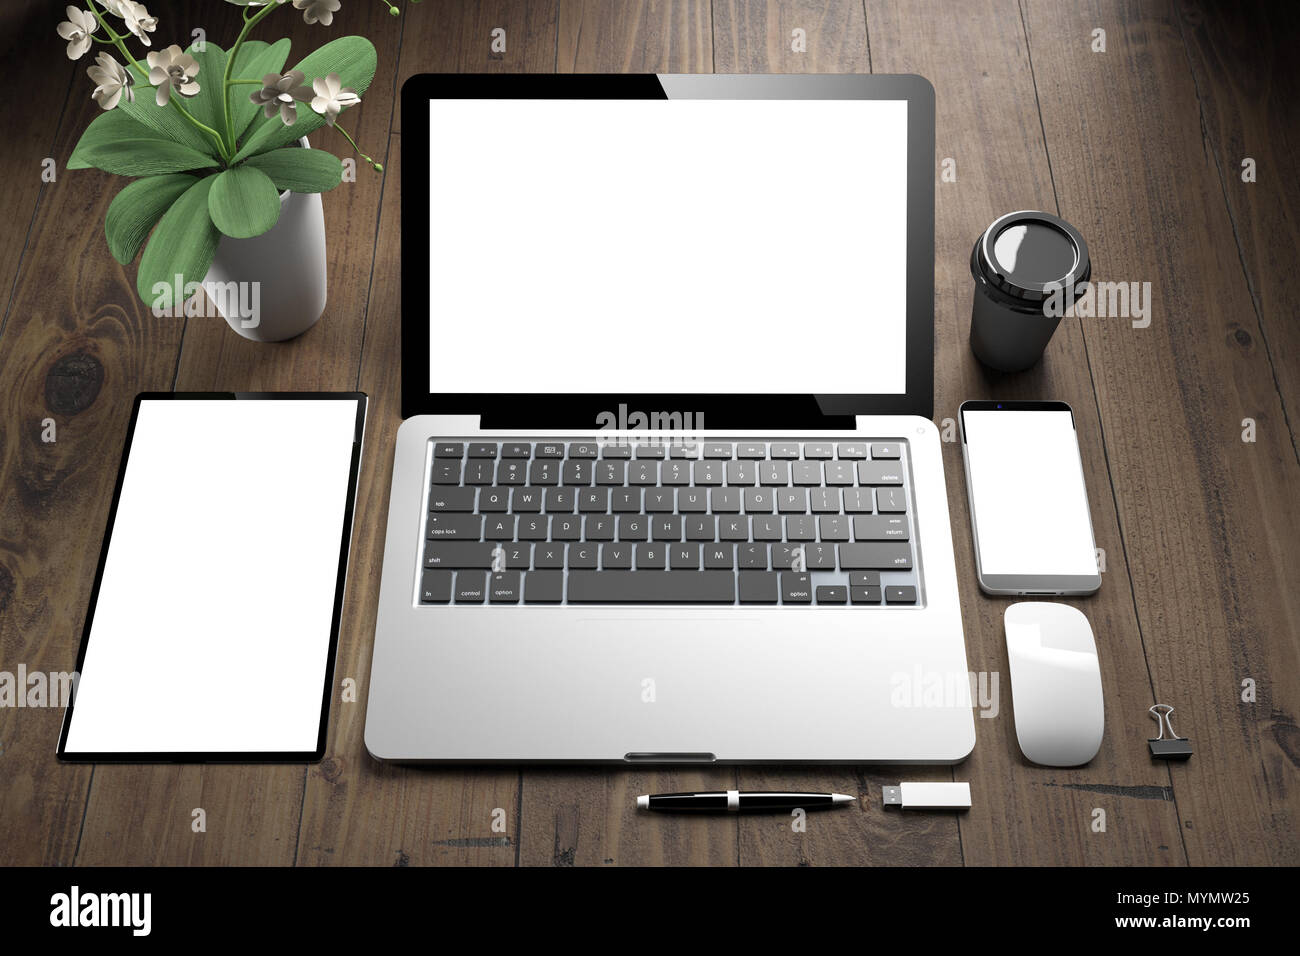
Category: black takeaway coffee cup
[1026,266]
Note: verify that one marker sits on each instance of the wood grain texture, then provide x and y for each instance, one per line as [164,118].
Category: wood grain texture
[1211,525]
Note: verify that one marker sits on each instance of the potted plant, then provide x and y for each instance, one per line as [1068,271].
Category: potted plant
[226,191]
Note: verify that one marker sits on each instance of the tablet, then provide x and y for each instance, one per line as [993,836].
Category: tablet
[214,617]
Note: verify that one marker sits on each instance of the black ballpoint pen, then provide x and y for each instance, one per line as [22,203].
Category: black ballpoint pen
[741,801]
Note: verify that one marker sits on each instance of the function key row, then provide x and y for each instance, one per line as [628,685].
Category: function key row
[722,451]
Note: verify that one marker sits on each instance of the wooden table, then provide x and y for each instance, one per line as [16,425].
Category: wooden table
[1140,146]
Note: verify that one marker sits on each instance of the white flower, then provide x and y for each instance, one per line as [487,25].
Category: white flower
[137,19]
[170,69]
[77,30]
[279,92]
[332,97]
[317,11]
[112,82]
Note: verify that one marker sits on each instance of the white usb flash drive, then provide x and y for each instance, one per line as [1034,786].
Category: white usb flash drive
[928,796]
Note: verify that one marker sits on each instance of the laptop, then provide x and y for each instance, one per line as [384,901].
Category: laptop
[667,490]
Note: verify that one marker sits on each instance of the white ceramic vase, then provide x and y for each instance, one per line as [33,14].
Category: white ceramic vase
[272,287]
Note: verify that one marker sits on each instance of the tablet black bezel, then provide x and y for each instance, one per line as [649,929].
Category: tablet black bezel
[579,410]
[241,757]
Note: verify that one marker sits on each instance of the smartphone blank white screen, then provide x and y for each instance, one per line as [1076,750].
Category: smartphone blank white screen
[1027,493]
[212,628]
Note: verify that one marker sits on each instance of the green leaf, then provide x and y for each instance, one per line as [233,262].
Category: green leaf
[352,58]
[244,202]
[183,243]
[135,210]
[255,60]
[302,170]
[118,144]
[164,120]
[205,105]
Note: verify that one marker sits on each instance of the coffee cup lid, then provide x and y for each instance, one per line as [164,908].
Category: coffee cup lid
[1028,255]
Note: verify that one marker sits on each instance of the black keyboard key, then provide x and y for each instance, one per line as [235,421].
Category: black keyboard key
[543,587]
[611,473]
[885,450]
[702,528]
[533,528]
[550,450]
[719,556]
[441,526]
[792,501]
[870,594]
[544,471]
[900,594]
[458,554]
[684,557]
[785,450]
[483,450]
[479,471]
[593,500]
[852,449]
[451,449]
[565,528]
[510,472]
[839,472]
[526,501]
[577,472]
[659,500]
[819,557]
[796,588]
[759,587]
[435,587]
[824,500]
[724,501]
[832,594]
[616,557]
[741,473]
[880,528]
[493,500]
[651,557]
[518,449]
[708,472]
[643,473]
[879,473]
[583,555]
[766,528]
[755,451]
[891,556]
[560,500]
[834,527]
[733,528]
[653,450]
[616,450]
[471,587]
[503,587]
[717,451]
[818,450]
[759,500]
[633,528]
[598,527]
[774,473]
[891,501]
[800,528]
[676,473]
[684,450]
[652,587]
[807,473]
[499,528]
[518,556]
[859,501]
[550,555]
[668,528]
[692,500]
[582,449]
[446,472]
[863,579]
[451,499]
[623,500]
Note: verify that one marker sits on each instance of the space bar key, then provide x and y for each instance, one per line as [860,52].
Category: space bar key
[652,587]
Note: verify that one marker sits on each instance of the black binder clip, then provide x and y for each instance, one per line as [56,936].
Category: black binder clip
[1170,746]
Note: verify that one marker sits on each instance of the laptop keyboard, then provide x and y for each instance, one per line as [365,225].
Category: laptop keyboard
[588,522]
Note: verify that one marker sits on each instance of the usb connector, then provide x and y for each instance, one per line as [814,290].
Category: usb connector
[928,796]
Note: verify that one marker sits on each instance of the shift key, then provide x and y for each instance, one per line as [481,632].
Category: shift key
[855,557]
[458,554]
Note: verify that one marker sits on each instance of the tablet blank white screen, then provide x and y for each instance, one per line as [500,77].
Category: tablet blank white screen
[1031,508]
[212,628]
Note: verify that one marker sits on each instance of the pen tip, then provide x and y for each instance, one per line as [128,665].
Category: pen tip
[643,802]
[841,798]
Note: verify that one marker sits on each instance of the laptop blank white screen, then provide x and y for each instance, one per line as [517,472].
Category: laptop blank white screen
[668,246]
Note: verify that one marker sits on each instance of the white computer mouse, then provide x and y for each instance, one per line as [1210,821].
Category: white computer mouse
[1055,683]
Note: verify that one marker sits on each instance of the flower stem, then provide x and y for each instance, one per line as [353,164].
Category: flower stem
[226,81]
[373,165]
[119,41]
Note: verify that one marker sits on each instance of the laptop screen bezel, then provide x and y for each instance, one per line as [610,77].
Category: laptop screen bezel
[580,409]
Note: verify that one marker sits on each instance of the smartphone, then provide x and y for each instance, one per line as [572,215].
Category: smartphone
[1028,504]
